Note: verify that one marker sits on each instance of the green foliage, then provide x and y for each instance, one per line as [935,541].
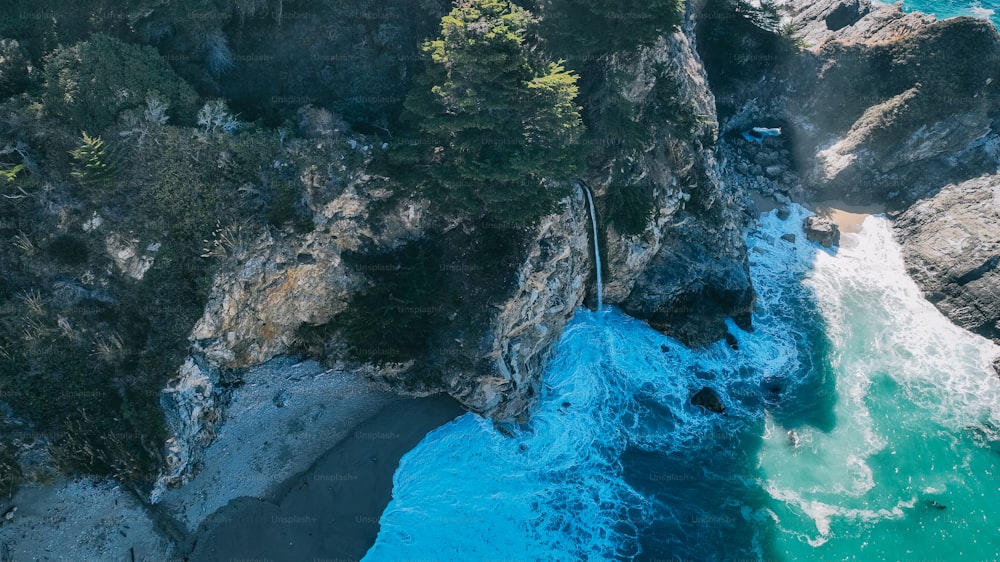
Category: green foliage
[629,206]
[10,173]
[93,163]
[68,249]
[89,84]
[392,321]
[582,29]
[14,77]
[492,120]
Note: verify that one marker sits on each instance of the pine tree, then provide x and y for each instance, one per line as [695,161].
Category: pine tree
[93,162]
[493,119]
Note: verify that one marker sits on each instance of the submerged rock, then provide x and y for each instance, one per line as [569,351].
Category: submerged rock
[821,230]
[788,237]
[708,399]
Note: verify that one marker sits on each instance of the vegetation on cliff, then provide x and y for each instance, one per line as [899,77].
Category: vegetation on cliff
[139,141]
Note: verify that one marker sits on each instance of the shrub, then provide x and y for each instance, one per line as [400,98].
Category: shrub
[629,205]
[93,162]
[68,250]
[14,77]
[90,83]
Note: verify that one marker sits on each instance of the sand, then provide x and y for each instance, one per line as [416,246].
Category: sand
[331,511]
[285,415]
[82,521]
[848,217]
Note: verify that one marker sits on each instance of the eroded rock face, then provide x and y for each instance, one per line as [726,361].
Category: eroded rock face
[690,288]
[880,107]
[951,244]
[688,271]
[280,284]
[551,284]
[821,230]
[708,399]
[191,410]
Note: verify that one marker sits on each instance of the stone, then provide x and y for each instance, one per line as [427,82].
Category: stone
[774,171]
[784,213]
[821,230]
[732,342]
[788,237]
[843,15]
[951,247]
[708,399]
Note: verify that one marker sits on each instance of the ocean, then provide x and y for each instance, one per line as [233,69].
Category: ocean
[860,424]
[985,9]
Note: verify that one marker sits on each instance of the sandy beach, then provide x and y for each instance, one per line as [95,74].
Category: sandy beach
[332,510]
[848,217]
[297,445]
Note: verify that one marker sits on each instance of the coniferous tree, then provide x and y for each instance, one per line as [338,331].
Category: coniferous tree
[493,119]
[93,163]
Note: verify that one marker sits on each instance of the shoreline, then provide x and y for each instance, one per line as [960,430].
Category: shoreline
[847,217]
[332,509]
[289,423]
[284,416]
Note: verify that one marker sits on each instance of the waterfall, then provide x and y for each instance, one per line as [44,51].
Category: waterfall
[597,247]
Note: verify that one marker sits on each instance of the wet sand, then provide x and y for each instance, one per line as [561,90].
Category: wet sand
[332,510]
[848,217]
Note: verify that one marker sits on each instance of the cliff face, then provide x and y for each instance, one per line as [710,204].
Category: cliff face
[879,107]
[951,244]
[684,273]
[688,271]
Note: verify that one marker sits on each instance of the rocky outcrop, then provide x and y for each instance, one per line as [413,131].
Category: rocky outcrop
[951,244]
[690,288]
[821,230]
[875,105]
[708,399]
[280,283]
[551,284]
[685,273]
[688,271]
[190,406]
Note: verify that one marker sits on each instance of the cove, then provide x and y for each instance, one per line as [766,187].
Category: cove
[860,424]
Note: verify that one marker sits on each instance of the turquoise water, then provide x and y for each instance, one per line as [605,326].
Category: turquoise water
[985,9]
[860,425]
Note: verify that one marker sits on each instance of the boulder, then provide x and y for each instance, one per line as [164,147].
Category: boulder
[821,230]
[774,170]
[788,238]
[951,246]
[708,399]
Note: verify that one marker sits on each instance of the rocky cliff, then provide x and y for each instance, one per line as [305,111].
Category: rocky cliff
[951,244]
[684,273]
[864,103]
[875,105]
[688,270]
